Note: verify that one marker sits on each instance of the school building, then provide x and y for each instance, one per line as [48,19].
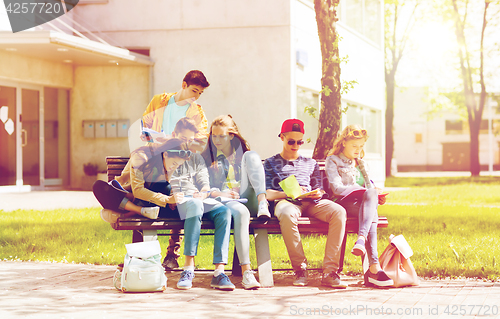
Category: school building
[441,141]
[73,89]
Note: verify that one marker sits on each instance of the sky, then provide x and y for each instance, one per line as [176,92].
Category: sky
[431,58]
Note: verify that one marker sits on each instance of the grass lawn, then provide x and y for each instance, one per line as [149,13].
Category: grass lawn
[452,229]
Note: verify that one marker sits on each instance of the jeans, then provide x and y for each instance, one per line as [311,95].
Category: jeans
[253,180]
[241,219]
[221,216]
[325,210]
[365,209]
[253,183]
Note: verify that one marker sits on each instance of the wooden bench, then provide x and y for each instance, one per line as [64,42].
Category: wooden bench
[146,229]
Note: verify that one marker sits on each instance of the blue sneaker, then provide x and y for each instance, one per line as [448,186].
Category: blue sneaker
[221,282]
[186,281]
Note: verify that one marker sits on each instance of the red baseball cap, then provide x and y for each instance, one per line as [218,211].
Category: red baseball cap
[292,125]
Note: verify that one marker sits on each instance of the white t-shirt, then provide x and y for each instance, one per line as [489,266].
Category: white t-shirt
[173,113]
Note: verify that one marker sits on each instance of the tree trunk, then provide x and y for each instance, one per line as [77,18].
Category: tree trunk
[474,112]
[389,121]
[330,112]
[475,168]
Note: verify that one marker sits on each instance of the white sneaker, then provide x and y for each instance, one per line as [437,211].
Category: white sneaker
[150,212]
[249,281]
[263,212]
[109,216]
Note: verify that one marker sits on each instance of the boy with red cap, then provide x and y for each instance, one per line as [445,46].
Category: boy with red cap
[306,170]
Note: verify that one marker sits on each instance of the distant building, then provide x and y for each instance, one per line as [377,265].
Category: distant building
[262,59]
[440,143]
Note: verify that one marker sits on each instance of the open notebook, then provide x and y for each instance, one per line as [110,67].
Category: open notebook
[292,189]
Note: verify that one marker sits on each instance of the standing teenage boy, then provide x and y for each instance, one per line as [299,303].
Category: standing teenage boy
[166,109]
[163,113]
[306,170]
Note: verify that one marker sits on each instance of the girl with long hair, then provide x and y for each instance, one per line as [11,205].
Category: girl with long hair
[352,188]
[236,172]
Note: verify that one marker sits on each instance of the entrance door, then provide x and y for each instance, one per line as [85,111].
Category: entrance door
[30,136]
[20,138]
[8,133]
[34,137]
[456,156]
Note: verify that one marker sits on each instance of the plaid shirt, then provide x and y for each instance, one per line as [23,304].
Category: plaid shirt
[306,170]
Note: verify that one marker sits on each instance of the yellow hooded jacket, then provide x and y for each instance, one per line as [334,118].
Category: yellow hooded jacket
[153,116]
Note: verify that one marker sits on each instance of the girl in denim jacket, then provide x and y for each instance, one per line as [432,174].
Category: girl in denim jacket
[236,172]
[352,188]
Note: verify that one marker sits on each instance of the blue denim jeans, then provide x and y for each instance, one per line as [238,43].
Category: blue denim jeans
[253,180]
[253,183]
[221,216]
[365,209]
[241,219]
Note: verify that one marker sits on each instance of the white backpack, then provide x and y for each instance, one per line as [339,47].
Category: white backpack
[142,269]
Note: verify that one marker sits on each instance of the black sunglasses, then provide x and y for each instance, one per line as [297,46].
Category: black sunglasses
[292,142]
[181,153]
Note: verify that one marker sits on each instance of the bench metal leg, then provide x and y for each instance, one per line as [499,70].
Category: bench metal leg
[149,235]
[263,258]
[236,270]
[342,254]
[136,236]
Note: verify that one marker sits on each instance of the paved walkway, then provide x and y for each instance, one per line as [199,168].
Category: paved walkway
[51,290]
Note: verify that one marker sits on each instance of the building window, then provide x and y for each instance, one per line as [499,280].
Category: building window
[368,119]
[454,126]
[306,99]
[364,16]
[418,137]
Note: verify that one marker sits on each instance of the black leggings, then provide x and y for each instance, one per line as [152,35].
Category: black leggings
[108,196]
[111,198]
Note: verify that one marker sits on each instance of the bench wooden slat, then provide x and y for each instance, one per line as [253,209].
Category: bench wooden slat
[311,225]
[116,167]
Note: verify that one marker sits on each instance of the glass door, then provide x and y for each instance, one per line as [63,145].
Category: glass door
[30,136]
[8,133]
[56,137]
[34,137]
[20,139]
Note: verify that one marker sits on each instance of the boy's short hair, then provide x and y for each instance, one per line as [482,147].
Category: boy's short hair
[196,77]
[185,123]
